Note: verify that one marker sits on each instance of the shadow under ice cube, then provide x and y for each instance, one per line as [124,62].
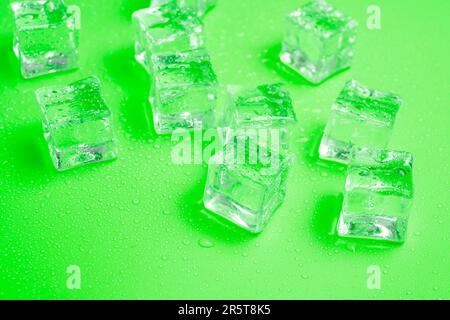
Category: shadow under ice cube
[183,91]
[77,124]
[360,117]
[378,195]
[244,191]
[45,37]
[319,41]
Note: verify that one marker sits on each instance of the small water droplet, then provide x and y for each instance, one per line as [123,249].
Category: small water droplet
[205,243]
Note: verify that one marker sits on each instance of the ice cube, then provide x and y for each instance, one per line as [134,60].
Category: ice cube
[183,91]
[77,124]
[200,7]
[319,41]
[246,183]
[45,36]
[378,195]
[250,110]
[267,105]
[360,117]
[166,29]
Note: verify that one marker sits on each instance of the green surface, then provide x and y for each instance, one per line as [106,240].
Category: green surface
[136,226]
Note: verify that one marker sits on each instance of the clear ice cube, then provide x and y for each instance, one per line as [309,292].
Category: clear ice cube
[246,183]
[183,91]
[378,195]
[251,110]
[267,105]
[200,7]
[45,36]
[319,41]
[165,29]
[77,124]
[360,117]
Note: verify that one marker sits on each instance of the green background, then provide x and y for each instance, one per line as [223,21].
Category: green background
[136,226]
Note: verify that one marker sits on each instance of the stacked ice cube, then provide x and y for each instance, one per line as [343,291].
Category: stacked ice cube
[378,192]
[247,178]
[184,95]
[170,45]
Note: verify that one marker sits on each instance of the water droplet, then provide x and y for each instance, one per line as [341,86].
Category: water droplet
[205,243]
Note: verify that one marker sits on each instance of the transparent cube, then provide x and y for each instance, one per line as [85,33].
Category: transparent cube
[183,91]
[360,117]
[200,7]
[246,183]
[77,124]
[319,41]
[378,195]
[251,110]
[45,36]
[267,105]
[165,29]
